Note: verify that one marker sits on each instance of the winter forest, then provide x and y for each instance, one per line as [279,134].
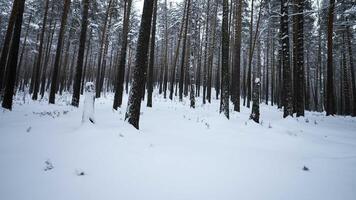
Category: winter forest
[177,99]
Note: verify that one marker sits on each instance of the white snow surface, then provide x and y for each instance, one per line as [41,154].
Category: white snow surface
[179,153]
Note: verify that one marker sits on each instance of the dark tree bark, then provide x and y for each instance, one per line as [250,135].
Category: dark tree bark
[353,84]
[287,77]
[330,97]
[101,50]
[225,94]
[54,82]
[13,55]
[39,59]
[134,103]
[152,57]
[79,69]
[299,59]
[6,44]
[255,112]
[181,78]
[121,70]
[173,77]
[237,55]
[24,47]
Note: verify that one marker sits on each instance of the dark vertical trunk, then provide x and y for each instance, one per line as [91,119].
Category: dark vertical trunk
[134,103]
[287,77]
[225,93]
[6,44]
[47,58]
[255,112]
[13,56]
[353,84]
[101,51]
[24,47]
[237,55]
[39,59]
[79,69]
[152,56]
[165,77]
[330,97]
[121,70]
[54,82]
[299,59]
[173,77]
[182,67]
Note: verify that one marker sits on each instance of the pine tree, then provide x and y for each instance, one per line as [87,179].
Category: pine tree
[152,59]
[121,70]
[10,75]
[54,82]
[39,59]
[299,93]
[224,102]
[79,69]
[330,98]
[134,103]
[287,77]
[237,55]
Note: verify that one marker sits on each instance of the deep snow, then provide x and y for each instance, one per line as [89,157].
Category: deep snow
[179,154]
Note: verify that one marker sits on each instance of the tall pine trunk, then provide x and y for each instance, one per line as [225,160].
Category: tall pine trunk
[330,97]
[225,93]
[134,102]
[79,69]
[54,82]
[13,56]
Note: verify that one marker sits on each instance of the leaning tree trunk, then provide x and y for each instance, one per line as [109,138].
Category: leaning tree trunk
[7,40]
[54,82]
[79,69]
[134,103]
[13,56]
[224,102]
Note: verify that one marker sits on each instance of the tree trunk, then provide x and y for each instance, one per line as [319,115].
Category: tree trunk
[121,70]
[13,55]
[287,78]
[330,97]
[224,102]
[152,56]
[134,102]
[79,69]
[58,52]
[39,59]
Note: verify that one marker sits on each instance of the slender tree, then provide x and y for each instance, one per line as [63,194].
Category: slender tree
[224,102]
[121,68]
[330,98]
[152,57]
[134,103]
[287,77]
[54,81]
[79,69]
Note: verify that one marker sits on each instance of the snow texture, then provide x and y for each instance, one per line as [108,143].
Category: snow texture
[179,153]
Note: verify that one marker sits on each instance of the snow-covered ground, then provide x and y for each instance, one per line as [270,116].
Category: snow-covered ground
[179,154]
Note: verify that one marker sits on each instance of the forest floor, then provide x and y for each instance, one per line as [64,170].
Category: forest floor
[179,153]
